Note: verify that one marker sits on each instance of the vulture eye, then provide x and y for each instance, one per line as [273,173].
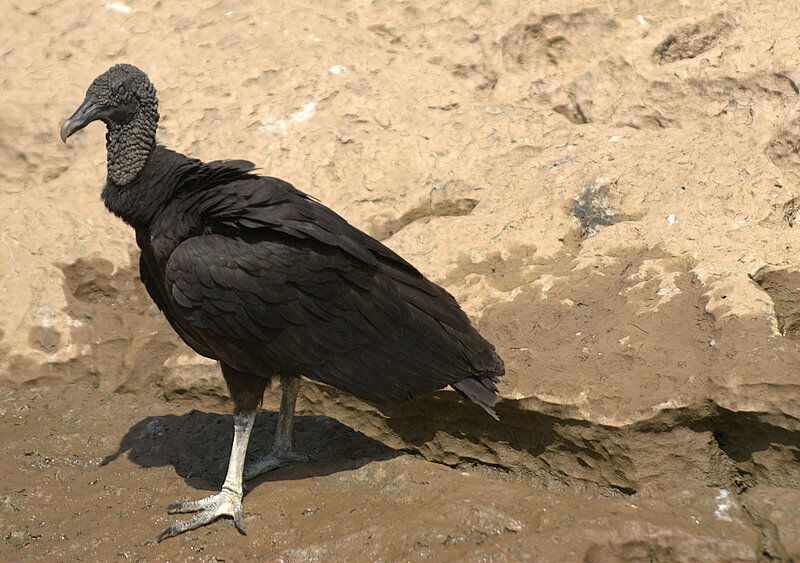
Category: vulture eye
[121,90]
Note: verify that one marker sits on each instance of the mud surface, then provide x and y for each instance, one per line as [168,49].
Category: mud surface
[610,189]
[72,493]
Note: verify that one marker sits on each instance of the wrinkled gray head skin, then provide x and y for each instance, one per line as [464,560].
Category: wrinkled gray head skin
[124,99]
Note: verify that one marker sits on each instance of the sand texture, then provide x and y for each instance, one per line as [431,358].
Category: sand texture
[610,189]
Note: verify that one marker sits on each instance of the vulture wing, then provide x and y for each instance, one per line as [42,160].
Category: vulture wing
[278,281]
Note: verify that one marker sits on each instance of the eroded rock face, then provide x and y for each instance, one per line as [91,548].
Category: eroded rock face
[610,192]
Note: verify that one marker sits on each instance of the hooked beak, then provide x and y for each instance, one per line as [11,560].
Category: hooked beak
[88,111]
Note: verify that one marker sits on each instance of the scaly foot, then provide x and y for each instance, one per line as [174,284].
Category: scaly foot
[225,503]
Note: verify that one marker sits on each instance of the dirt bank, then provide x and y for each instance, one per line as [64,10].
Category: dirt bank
[609,189]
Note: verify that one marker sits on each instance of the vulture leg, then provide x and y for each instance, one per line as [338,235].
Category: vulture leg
[281,452]
[228,502]
[246,391]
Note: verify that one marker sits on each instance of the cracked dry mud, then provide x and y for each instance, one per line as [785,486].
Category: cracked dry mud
[609,188]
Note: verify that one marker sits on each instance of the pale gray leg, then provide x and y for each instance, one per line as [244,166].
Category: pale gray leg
[281,452]
[228,502]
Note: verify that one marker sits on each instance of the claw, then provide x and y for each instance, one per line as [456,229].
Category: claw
[238,519]
[209,509]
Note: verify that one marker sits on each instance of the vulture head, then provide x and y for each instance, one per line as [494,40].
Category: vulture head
[116,97]
[124,99]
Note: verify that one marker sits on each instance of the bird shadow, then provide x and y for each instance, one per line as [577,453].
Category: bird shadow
[197,445]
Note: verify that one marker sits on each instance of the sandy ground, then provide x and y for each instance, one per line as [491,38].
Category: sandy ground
[609,188]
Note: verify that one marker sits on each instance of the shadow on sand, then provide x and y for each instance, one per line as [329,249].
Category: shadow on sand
[197,444]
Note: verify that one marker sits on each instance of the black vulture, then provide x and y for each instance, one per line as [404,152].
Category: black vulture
[256,274]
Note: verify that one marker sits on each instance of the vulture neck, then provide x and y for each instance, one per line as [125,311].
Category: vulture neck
[139,183]
[141,199]
[129,146]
